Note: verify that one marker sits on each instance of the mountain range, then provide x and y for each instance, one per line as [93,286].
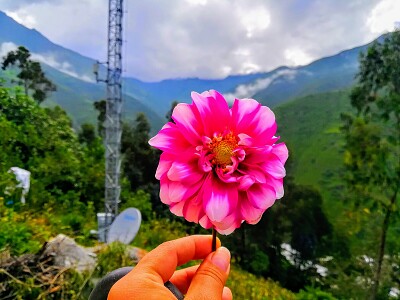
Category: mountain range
[77,89]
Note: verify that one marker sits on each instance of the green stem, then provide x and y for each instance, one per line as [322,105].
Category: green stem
[214,240]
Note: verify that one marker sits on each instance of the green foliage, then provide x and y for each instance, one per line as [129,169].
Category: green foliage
[140,159]
[112,257]
[87,135]
[157,231]
[138,199]
[31,75]
[168,116]
[245,285]
[42,141]
[258,262]
[101,107]
[258,248]
[310,126]
[16,234]
[372,147]
[311,293]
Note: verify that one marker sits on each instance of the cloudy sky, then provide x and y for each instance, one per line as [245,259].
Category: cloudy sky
[210,38]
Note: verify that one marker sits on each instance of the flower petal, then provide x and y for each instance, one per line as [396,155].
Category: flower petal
[179,191]
[229,224]
[256,155]
[226,177]
[220,198]
[205,222]
[246,181]
[253,170]
[181,171]
[274,166]
[170,140]
[243,112]
[189,122]
[164,190]
[193,210]
[164,165]
[277,185]
[177,208]
[261,196]
[281,151]
[176,191]
[213,110]
[250,214]
[254,120]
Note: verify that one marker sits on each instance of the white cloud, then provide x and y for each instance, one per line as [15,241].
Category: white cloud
[255,20]
[7,47]
[385,16]
[208,38]
[22,17]
[297,57]
[197,2]
[248,90]
[48,59]
[64,67]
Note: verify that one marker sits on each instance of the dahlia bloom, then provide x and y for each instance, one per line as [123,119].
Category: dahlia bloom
[220,166]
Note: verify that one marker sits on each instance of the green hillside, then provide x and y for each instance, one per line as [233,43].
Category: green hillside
[77,98]
[311,128]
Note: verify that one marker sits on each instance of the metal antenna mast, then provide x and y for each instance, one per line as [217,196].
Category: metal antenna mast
[113,113]
[113,110]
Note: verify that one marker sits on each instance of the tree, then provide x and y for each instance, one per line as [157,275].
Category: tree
[168,116]
[87,135]
[42,141]
[372,135]
[92,165]
[31,75]
[140,160]
[101,107]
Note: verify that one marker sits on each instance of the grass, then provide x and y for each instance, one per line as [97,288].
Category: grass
[245,285]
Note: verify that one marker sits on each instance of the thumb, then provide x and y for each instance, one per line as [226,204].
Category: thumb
[210,278]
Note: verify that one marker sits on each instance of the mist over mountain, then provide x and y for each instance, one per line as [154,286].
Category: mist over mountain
[77,89]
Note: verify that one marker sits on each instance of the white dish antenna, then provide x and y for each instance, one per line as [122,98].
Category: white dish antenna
[125,226]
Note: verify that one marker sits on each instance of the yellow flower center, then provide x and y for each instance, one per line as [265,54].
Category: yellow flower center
[223,147]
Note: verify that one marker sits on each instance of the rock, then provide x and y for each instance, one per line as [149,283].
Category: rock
[135,253]
[67,253]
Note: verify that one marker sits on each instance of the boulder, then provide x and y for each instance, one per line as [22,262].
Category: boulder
[67,253]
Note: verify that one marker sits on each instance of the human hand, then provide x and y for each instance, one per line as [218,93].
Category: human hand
[201,282]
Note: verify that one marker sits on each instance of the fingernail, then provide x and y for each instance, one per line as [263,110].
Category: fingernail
[221,258]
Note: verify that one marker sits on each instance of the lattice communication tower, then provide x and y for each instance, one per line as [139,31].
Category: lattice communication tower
[113,128]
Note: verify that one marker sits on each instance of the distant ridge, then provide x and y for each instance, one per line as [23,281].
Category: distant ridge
[72,72]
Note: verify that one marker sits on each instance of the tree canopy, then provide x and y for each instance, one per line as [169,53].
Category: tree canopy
[372,135]
[31,75]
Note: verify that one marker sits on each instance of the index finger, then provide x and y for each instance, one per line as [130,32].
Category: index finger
[163,260]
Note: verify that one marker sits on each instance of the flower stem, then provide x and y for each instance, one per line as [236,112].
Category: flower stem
[214,240]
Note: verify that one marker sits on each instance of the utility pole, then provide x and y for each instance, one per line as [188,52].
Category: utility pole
[113,115]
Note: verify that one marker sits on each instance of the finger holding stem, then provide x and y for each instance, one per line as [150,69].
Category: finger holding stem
[214,240]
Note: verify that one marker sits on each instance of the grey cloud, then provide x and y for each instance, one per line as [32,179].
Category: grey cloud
[16,4]
[170,39]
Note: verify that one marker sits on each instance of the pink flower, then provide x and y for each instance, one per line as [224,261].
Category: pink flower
[220,166]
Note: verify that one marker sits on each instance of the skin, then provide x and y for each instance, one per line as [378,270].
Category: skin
[200,282]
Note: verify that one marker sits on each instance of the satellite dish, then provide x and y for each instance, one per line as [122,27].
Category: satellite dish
[125,226]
